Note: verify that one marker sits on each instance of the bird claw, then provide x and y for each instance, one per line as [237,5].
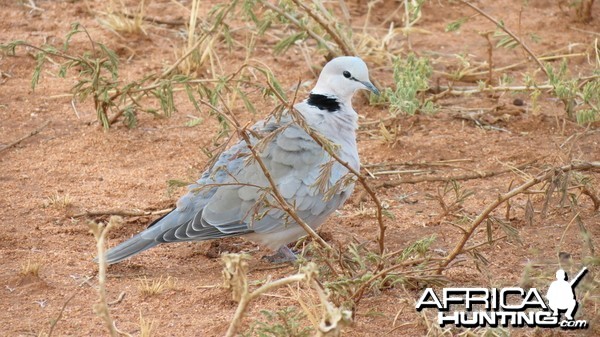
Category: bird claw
[283,255]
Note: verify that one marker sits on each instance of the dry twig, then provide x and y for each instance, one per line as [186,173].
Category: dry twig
[285,206]
[121,212]
[343,45]
[548,174]
[234,275]
[509,32]
[101,307]
[60,313]
[460,177]
[31,134]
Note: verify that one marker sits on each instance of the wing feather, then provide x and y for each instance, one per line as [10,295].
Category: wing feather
[242,205]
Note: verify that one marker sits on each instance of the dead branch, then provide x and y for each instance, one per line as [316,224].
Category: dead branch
[448,162]
[460,177]
[275,191]
[548,174]
[155,20]
[474,90]
[343,45]
[101,306]
[300,25]
[361,178]
[475,74]
[509,32]
[31,134]
[60,313]
[118,300]
[121,212]
[590,192]
[235,278]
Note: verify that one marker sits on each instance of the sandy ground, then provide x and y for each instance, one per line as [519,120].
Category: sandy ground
[72,165]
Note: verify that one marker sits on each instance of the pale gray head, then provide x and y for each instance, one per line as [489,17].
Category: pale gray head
[342,77]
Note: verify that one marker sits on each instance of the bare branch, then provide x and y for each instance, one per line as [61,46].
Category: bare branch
[548,174]
[31,134]
[460,177]
[121,212]
[509,32]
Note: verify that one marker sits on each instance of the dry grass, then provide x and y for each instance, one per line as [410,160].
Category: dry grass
[118,20]
[199,54]
[155,287]
[31,268]
[58,201]
[147,326]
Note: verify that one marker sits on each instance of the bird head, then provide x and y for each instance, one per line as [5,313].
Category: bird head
[342,77]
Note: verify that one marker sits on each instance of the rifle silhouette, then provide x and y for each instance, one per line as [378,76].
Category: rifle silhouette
[578,277]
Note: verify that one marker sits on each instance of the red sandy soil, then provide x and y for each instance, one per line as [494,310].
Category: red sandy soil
[129,168]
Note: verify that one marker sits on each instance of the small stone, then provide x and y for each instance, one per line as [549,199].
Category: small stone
[518,102]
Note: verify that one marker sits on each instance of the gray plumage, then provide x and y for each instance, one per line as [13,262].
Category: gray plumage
[227,201]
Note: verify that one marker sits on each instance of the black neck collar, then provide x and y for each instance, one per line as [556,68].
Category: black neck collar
[323,102]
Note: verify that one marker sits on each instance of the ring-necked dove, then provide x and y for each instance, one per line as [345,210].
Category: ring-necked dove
[228,199]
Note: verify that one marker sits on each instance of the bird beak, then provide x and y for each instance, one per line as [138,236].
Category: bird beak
[371,87]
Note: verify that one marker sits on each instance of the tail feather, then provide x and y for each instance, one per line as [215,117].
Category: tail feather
[142,241]
[133,246]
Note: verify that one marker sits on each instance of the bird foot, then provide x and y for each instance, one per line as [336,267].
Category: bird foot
[283,255]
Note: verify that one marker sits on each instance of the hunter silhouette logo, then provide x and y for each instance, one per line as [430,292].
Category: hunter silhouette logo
[561,294]
[507,307]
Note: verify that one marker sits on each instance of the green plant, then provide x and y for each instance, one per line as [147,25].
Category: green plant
[411,80]
[581,100]
[98,77]
[303,21]
[285,322]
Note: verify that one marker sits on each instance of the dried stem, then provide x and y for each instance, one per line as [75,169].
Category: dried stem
[490,51]
[468,76]
[60,313]
[361,179]
[236,321]
[301,26]
[509,32]
[275,191]
[31,134]
[412,163]
[590,192]
[475,90]
[466,176]
[121,212]
[548,174]
[343,45]
[234,274]
[101,307]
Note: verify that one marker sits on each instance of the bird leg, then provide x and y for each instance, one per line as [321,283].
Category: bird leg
[283,255]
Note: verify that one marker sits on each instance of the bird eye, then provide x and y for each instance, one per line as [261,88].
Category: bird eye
[346,74]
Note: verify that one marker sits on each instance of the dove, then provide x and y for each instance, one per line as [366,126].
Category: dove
[230,198]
